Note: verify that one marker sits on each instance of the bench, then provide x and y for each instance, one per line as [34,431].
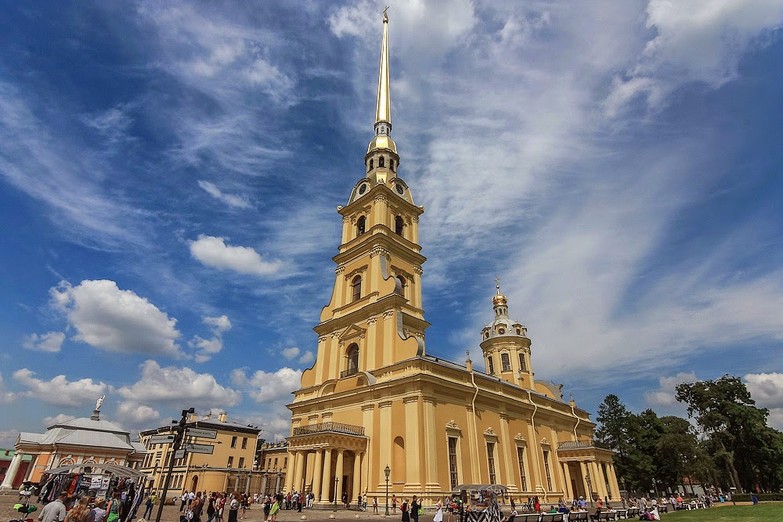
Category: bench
[622,514]
[578,516]
[551,517]
[633,512]
[527,517]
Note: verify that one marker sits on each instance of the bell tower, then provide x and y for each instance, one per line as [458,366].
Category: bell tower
[375,315]
[506,346]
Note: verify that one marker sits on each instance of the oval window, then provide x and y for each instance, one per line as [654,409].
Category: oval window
[400,189]
[362,189]
[501,331]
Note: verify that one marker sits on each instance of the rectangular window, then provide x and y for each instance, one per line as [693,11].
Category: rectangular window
[521,460]
[230,462]
[491,462]
[505,361]
[244,442]
[285,462]
[522,363]
[275,462]
[546,469]
[233,442]
[491,368]
[453,462]
[241,462]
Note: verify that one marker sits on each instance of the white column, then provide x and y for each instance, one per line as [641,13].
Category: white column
[13,469]
[356,480]
[338,476]
[326,482]
[317,474]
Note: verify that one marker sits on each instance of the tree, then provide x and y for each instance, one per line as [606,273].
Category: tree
[743,444]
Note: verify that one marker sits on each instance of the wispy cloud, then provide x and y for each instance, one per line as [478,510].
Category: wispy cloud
[48,342]
[232,200]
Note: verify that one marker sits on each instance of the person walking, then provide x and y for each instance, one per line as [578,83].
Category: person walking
[148,506]
[233,508]
[80,512]
[375,505]
[438,517]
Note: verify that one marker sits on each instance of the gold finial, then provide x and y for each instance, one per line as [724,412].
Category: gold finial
[498,299]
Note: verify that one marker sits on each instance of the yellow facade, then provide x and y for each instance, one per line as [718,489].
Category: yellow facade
[230,467]
[374,398]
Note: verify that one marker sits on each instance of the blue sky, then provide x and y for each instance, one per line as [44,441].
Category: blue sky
[170,172]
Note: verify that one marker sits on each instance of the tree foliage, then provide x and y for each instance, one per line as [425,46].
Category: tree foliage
[733,446]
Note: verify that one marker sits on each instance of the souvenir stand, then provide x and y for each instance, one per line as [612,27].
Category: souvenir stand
[96,481]
[480,502]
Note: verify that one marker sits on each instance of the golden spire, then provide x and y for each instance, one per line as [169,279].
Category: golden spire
[383,107]
[382,141]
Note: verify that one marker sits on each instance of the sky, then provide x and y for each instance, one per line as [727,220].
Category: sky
[170,173]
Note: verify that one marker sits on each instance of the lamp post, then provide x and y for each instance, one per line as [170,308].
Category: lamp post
[387,472]
[336,480]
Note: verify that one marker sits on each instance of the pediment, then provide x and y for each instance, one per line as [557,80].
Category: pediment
[352,332]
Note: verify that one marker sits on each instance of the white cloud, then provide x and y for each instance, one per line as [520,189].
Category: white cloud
[59,390]
[213,251]
[57,419]
[290,353]
[266,387]
[8,438]
[209,347]
[6,397]
[695,41]
[294,352]
[179,386]
[115,320]
[133,413]
[231,200]
[767,390]
[48,342]
[666,393]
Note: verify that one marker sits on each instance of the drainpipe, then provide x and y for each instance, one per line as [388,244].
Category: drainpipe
[475,453]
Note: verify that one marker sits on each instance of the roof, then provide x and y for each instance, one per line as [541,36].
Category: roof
[88,423]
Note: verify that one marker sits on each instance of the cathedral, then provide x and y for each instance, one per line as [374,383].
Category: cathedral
[376,412]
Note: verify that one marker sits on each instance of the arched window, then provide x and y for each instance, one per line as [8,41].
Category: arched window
[505,362]
[356,288]
[352,359]
[370,165]
[399,225]
[522,363]
[381,162]
[400,286]
[490,365]
[391,163]
[360,224]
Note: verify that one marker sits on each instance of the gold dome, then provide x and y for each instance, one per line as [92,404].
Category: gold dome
[382,142]
[499,300]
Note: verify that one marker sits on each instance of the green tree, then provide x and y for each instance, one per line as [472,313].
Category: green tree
[737,431]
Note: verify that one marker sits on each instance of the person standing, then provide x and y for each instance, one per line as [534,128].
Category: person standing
[275,508]
[375,505]
[415,506]
[80,512]
[195,507]
[183,501]
[233,508]
[394,504]
[406,516]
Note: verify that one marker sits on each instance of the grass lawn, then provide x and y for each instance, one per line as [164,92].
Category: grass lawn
[764,511]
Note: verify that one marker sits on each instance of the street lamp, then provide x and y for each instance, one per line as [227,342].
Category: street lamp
[387,472]
[336,480]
